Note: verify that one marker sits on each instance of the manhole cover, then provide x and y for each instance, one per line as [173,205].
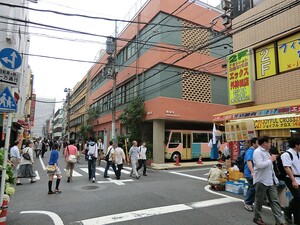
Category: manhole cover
[90,187]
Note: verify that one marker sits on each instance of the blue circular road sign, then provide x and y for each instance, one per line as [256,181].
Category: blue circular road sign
[10,58]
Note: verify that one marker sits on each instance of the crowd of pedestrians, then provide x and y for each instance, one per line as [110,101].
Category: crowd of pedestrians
[264,182]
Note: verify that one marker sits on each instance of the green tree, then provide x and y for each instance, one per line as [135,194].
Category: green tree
[133,116]
[85,131]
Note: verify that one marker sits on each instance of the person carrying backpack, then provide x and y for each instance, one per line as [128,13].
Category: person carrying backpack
[291,163]
[248,174]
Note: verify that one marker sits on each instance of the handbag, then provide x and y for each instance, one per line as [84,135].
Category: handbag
[71,158]
[107,155]
[25,155]
[50,168]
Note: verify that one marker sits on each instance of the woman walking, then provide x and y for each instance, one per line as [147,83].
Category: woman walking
[119,159]
[53,161]
[134,157]
[25,169]
[70,150]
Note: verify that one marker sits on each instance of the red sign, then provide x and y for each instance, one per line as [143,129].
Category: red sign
[295,108]
[32,109]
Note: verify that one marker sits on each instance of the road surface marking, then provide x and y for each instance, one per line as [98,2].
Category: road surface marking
[190,170]
[37,175]
[206,174]
[42,163]
[117,182]
[111,219]
[102,170]
[75,174]
[86,170]
[56,219]
[208,203]
[187,175]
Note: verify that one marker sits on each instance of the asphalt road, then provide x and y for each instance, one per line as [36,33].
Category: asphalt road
[178,197]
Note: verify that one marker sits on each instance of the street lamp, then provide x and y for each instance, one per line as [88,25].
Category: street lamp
[68,101]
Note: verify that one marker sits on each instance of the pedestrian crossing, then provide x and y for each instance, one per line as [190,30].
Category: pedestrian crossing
[83,171]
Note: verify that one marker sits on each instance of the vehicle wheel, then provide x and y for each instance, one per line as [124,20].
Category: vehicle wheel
[174,156]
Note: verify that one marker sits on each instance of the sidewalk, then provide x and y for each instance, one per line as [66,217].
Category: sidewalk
[166,166]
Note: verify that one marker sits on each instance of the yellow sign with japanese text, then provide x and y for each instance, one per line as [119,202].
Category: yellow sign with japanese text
[289,53]
[278,123]
[265,61]
[239,78]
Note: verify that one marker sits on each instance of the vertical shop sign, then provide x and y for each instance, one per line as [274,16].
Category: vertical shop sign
[289,53]
[265,61]
[239,78]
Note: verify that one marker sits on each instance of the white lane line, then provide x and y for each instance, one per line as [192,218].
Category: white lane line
[56,219]
[125,171]
[206,174]
[190,176]
[111,219]
[190,170]
[127,168]
[102,170]
[209,203]
[86,170]
[75,174]
[42,163]
[117,182]
[227,196]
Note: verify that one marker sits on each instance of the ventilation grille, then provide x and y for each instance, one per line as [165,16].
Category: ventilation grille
[196,86]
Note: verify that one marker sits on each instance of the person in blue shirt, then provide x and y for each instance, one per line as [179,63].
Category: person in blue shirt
[53,161]
[248,174]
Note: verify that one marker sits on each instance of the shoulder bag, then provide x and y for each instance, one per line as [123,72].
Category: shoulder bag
[71,158]
[25,155]
[107,155]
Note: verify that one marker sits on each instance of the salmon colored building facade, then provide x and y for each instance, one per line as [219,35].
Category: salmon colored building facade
[179,92]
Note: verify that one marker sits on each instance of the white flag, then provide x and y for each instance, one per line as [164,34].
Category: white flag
[214,134]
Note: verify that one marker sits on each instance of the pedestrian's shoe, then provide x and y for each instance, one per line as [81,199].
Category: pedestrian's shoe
[106,176]
[93,180]
[51,193]
[259,221]
[68,179]
[249,208]
[144,174]
[138,177]
[32,181]
[288,217]
[19,184]
[57,191]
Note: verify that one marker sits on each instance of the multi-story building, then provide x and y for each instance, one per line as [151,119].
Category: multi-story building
[266,43]
[44,110]
[78,111]
[14,35]
[173,60]
[57,125]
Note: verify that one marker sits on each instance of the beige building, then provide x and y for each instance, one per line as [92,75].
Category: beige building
[78,111]
[271,32]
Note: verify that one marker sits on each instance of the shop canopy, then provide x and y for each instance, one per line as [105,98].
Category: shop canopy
[278,108]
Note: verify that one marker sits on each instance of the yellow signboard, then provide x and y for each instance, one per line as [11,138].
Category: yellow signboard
[239,78]
[289,53]
[278,123]
[265,61]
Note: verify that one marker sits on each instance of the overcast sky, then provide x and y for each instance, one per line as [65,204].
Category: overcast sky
[52,76]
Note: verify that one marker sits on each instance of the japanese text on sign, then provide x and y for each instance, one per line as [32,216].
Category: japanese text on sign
[289,53]
[278,123]
[239,78]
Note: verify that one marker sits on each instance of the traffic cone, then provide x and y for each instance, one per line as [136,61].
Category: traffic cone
[200,160]
[4,212]
[177,161]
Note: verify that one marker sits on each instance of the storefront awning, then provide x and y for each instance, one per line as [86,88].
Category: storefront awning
[292,106]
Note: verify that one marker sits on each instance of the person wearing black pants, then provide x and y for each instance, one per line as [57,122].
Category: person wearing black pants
[110,159]
[92,157]
[119,159]
[143,158]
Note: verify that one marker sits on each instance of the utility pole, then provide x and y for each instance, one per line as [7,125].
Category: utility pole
[111,50]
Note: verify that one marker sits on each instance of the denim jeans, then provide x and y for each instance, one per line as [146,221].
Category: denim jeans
[250,195]
[294,206]
[261,191]
[113,166]
[92,168]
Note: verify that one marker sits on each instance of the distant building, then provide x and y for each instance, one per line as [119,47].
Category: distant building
[57,124]
[44,110]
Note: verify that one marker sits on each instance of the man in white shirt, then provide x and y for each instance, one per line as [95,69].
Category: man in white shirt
[291,163]
[143,158]
[265,182]
[15,156]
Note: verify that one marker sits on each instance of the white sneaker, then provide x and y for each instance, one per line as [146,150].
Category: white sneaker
[93,180]
[249,208]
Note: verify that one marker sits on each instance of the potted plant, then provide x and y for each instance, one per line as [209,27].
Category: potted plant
[9,179]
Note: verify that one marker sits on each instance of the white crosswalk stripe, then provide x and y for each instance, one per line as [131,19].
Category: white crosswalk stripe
[86,170]
[75,174]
